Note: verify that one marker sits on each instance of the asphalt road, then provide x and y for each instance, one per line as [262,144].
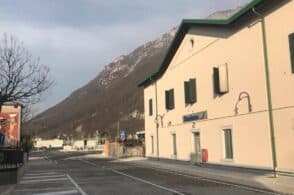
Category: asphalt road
[55,173]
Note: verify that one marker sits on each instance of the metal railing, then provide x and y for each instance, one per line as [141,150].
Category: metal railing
[11,158]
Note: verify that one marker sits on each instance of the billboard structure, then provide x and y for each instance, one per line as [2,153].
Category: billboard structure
[10,126]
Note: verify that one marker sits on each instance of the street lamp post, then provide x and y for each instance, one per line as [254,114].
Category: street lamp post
[117,138]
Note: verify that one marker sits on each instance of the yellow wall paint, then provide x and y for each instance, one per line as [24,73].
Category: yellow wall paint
[242,51]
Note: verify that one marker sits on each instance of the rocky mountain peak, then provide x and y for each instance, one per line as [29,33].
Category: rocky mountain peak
[124,65]
[113,95]
[224,14]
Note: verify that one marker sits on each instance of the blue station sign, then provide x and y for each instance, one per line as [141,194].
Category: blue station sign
[195,116]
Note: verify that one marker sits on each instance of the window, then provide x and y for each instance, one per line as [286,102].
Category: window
[291,43]
[190,91]
[216,81]
[152,144]
[191,43]
[169,99]
[174,144]
[228,143]
[220,79]
[150,107]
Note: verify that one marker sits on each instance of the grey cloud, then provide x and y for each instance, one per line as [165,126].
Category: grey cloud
[76,38]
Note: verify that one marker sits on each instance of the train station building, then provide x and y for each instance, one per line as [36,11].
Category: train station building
[225,89]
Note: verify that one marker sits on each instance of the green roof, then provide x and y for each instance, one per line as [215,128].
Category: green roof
[182,30]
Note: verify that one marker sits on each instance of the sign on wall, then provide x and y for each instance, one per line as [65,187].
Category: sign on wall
[195,116]
[122,135]
[9,129]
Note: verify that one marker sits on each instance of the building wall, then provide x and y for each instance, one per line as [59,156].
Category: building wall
[150,125]
[242,51]
[52,143]
[279,26]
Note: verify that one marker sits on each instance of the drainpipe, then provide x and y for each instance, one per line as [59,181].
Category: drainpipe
[157,125]
[268,87]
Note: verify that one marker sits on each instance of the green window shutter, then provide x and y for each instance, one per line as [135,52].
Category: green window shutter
[192,91]
[291,44]
[150,107]
[167,100]
[152,145]
[171,99]
[186,88]
[174,138]
[228,143]
[216,88]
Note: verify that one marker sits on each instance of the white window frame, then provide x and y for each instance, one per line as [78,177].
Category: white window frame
[223,144]
[173,155]
[152,144]
[193,131]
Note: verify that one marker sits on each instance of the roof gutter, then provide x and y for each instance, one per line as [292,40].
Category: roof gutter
[268,90]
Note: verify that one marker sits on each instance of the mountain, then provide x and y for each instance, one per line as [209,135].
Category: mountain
[110,97]
[224,14]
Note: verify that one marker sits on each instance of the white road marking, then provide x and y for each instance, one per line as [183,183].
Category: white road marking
[58,192]
[43,176]
[46,158]
[209,180]
[88,162]
[138,179]
[76,185]
[148,182]
[42,180]
[40,173]
[36,158]
[38,189]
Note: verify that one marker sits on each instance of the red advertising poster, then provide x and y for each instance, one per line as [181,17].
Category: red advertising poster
[9,128]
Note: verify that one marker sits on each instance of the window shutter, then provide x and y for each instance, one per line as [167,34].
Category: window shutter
[171,99]
[174,140]
[186,87]
[150,107]
[167,100]
[228,143]
[291,44]
[223,78]
[216,81]
[192,91]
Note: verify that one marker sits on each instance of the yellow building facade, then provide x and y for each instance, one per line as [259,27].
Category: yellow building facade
[226,86]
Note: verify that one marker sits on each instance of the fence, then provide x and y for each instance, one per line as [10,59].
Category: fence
[11,158]
[117,150]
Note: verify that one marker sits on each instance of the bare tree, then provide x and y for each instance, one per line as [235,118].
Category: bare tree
[27,113]
[22,78]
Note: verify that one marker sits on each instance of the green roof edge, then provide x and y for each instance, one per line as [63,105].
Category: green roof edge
[186,23]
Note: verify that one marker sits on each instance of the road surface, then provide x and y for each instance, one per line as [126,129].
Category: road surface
[57,173]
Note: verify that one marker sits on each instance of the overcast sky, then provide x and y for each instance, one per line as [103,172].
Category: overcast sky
[76,38]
